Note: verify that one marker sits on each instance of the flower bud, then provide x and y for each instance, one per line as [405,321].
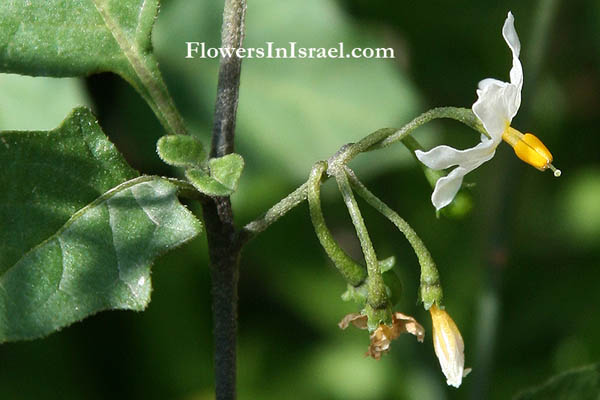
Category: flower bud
[449,346]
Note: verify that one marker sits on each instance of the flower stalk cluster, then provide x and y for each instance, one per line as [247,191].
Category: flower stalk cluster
[490,116]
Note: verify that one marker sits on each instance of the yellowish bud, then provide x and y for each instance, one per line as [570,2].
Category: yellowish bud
[530,149]
[449,346]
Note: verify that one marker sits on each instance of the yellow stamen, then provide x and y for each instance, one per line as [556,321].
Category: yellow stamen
[530,149]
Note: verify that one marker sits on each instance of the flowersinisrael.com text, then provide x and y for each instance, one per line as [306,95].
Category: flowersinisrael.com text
[269,51]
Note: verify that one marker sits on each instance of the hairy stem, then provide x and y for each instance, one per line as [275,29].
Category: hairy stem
[232,36]
[431,290]
[354,273]
[376,140]
[377,297]
[274,213]
[224,249]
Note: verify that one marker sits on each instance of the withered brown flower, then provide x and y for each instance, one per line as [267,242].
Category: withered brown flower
[382,337]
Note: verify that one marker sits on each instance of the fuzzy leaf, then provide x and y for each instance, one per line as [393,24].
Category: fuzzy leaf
[74,38]
[227,170]
[77,233]
[205,184]
[224,175]
[181,150]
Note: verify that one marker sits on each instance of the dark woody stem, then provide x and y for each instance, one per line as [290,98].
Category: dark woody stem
[224,248]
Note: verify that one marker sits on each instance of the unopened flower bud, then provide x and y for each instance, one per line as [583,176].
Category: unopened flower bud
[449,346]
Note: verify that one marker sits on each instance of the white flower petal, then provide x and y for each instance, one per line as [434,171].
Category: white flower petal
[447,186]
[442,157]
[483,84]
[498,102]
[512,39]
[494,107]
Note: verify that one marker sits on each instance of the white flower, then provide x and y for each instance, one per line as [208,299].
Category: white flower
[496,106]
[449,346]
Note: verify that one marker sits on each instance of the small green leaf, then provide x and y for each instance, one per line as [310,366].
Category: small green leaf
[181,150]
[224,175]
[78,234]
[78,38]
[205,184]
[227,170]
[578,384]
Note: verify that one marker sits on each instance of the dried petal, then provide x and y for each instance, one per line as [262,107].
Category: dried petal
[358,320]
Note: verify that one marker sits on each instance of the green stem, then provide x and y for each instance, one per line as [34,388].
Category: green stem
[431,290]
[274,213]
[377,296]
[388,136]
[353,272]
[379,139]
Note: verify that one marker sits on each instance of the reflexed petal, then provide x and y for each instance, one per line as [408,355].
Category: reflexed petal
[498,102]
[447,186]
[512,97]
[442,157]
[512,39]
[493,109]
[483,84]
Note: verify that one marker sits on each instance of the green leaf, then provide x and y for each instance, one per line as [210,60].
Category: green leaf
[205,184]
[77,233]
[224,175]
[578,384]
[181,150]
[227,170]
[78,38]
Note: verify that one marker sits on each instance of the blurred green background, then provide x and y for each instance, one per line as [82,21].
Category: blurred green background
[520,272]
